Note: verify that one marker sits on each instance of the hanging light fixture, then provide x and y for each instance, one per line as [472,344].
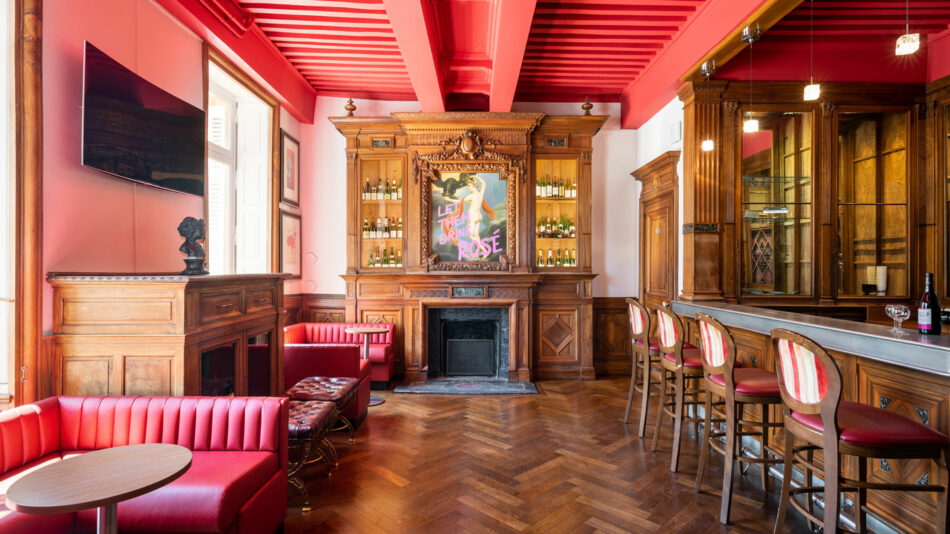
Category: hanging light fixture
[707,69]
[908,43]
[750,35]
[812,90]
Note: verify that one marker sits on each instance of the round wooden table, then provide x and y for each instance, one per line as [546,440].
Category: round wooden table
[98,479]
[365,331]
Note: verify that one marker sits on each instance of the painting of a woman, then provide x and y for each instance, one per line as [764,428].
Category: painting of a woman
[469,216]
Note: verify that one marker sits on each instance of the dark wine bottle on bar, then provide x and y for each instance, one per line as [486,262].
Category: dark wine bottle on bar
[928,311]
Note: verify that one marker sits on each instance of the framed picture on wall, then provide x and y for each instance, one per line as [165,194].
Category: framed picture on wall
[289,170]
[290,244]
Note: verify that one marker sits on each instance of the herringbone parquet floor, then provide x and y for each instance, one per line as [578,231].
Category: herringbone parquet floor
[562,461]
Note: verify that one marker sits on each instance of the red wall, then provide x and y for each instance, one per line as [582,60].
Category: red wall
[93,221]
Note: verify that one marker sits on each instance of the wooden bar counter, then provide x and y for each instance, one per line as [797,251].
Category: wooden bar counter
[909,375]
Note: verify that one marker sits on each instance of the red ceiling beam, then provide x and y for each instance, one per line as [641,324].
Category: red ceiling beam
[511,23]
[657,85]
[415,31]
[252,52]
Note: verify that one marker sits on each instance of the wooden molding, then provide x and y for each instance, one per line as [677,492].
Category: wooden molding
[33,382]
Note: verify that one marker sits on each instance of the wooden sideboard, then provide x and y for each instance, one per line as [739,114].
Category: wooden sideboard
[165,334]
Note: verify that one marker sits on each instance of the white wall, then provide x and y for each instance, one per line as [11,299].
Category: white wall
[615,192]
[660,134]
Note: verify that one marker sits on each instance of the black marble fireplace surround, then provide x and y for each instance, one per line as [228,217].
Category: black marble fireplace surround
[468,342]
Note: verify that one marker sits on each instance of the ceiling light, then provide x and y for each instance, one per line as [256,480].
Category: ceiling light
[750,126]
[812,90]
[907,44]
[708,145]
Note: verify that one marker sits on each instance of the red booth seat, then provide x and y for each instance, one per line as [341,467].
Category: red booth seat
[382,352]
[334,360]
[237,482]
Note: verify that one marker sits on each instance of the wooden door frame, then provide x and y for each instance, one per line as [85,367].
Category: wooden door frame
[659,180]
[34,381]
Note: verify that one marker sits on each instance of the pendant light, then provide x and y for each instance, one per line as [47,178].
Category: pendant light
[909,42]
[750,35]
[812,90]
[707,69]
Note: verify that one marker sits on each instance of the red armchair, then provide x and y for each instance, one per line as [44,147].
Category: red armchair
[382,352]
[238,477]
[302,360]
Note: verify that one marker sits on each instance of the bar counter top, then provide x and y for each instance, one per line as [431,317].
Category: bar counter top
[930,354]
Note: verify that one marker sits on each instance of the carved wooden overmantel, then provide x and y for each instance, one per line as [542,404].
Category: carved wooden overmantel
[550,311]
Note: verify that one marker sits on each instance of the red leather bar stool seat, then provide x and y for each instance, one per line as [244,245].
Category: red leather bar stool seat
[751,381]
[870,426]
[692,357]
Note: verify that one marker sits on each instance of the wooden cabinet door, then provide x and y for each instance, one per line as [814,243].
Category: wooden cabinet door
[658,250]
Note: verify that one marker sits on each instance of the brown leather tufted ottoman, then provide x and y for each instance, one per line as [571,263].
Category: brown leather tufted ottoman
[308,423]
[338,390]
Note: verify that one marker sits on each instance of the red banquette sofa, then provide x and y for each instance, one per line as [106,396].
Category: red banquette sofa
[382,352]
[237,482]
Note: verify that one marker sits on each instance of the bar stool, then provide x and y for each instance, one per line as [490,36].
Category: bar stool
[681,374]
[810,385]
[645,355]
[736,387]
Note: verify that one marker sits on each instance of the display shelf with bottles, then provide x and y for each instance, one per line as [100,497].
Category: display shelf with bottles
[381,214]
[556,213]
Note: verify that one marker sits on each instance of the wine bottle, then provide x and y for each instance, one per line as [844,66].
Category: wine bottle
[537,186]
[550,258]
[365,229]
[560,187]
[379,228]
[928,311]
[573,257]
[572,231]
[399,258]
[394,193]
[558,262]
[540,258]
[366,190]
[399,229]
[549,188]
[399,193]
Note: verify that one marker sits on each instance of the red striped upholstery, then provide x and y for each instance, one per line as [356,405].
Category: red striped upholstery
[804,376]
[666,328]
[714,344]
[636,319]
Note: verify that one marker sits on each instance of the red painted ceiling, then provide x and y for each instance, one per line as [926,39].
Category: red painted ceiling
[853,42]
[578,48]
[461,54]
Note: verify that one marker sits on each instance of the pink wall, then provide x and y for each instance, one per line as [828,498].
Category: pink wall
[93,221]
[938,56]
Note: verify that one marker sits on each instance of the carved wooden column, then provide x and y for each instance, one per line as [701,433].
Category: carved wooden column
[826,260]
[702,254]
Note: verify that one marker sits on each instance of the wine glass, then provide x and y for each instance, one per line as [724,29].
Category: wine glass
[897,312]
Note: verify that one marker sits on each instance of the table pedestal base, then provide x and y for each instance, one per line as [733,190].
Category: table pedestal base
[107,520]
[376,400]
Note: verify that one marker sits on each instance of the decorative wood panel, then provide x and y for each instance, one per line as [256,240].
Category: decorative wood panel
[87,376]
[148,375]
[658,228]
[557,342]
[612,352]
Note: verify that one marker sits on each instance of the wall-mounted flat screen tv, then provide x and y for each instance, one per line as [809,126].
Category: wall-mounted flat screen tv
[135,130]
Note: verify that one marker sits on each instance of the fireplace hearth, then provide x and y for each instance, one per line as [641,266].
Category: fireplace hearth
[468,342]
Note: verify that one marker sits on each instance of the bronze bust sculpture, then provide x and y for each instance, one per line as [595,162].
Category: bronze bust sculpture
[193,230]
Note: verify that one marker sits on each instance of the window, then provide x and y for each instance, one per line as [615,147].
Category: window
[239,177]
[8,193]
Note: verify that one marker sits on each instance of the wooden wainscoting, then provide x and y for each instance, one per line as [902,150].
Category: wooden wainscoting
[314,308]
[611,336]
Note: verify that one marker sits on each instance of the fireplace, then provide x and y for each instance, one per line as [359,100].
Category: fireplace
[467,342]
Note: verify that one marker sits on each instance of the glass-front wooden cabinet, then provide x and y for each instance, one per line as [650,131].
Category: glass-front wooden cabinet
[775,204]
[556,212]
[381,213]
[872,211]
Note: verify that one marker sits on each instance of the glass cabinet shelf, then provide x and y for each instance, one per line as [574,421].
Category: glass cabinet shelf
[765,180]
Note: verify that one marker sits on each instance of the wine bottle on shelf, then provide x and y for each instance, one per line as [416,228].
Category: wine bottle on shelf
[365,194]
[379,228]
[574,189]
[365,229]
[394,193]
[537,186]
[574,257]
[399,229]
[550,258]
[399,258]
[558,262]
[385,228]
[549,188]
[399,192]
[540,258]
[560,187]
[928,311]
[572,229]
